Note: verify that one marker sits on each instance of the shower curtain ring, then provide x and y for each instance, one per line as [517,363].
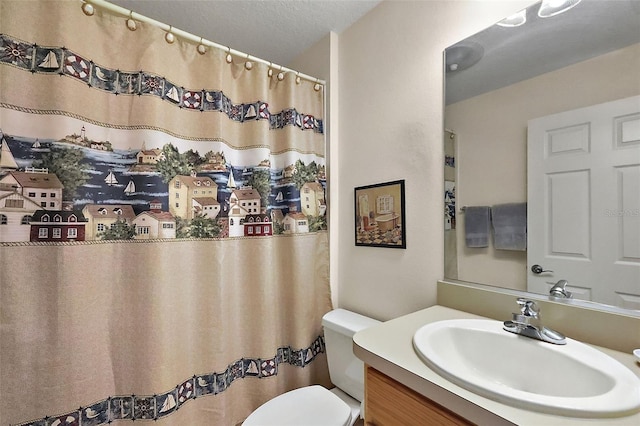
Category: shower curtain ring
[270,71]
[88,9]
[169,37]
[298,79]
[131,23]
[229,57]
[280,74]
[248,64]
[202,49]
[317,86]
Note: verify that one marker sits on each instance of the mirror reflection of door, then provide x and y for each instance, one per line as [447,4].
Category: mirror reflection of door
[450,245]
[584,202]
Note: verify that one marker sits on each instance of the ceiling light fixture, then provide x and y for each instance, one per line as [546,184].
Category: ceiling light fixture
[463,55]
[550,8]
[514,20]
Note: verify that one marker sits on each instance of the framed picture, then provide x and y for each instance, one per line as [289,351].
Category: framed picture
[379,215]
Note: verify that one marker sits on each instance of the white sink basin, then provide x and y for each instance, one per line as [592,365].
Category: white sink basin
[571,380]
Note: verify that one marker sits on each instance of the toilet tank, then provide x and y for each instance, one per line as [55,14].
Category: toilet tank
[345,369]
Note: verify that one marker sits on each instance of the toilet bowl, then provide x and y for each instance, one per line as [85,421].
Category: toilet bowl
[316,405]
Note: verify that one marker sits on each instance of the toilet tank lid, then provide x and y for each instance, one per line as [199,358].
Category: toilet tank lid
[347,322]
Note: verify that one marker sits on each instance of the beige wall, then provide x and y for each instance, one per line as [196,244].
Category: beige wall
[390,127]
[487,162]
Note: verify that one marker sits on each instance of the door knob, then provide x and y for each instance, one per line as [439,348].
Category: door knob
[537,269]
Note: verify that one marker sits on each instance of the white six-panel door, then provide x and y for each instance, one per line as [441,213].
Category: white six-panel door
[584,202]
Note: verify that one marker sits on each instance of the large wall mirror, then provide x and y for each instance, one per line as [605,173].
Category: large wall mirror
[542,142]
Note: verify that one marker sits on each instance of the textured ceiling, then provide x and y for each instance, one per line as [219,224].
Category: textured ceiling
[273,30]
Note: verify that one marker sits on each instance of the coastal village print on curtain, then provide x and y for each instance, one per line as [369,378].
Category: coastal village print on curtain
[74,188]
[163,233]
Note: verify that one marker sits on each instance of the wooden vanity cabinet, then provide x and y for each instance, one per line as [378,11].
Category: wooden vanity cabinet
[390,403]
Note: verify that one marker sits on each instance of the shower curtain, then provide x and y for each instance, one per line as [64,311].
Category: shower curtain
[163,245]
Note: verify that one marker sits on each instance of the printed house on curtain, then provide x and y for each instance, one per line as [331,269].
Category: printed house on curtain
[101,217]
[155,224]
[243,204]
[38,184]
[22,194]
[190,195]
[57,225]
[312,199]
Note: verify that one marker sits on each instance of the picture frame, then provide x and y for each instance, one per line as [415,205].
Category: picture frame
[380,215]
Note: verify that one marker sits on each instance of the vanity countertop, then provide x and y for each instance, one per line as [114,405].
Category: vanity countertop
[388,348]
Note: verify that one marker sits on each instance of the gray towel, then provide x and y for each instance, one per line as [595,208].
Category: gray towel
[476,226]
[510,226]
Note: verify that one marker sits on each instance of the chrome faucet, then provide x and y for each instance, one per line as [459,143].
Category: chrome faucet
[559,290]
[527,323]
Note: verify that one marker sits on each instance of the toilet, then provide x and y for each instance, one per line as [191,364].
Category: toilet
[316,405]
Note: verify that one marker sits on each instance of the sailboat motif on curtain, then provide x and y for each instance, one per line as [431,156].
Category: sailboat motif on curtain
[130,188]
[50,61]
[7,160]
[111,179]
[231,183]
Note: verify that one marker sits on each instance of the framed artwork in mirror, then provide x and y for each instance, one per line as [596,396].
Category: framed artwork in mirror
[379,215]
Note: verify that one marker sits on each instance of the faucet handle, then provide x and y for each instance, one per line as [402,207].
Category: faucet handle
[559,290]
[528,308]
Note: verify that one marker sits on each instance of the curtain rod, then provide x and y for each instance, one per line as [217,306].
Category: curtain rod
[103,4]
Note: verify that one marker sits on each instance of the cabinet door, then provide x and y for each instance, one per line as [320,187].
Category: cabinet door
[389,403]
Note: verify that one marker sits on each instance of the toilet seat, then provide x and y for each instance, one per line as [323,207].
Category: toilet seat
[309,406]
